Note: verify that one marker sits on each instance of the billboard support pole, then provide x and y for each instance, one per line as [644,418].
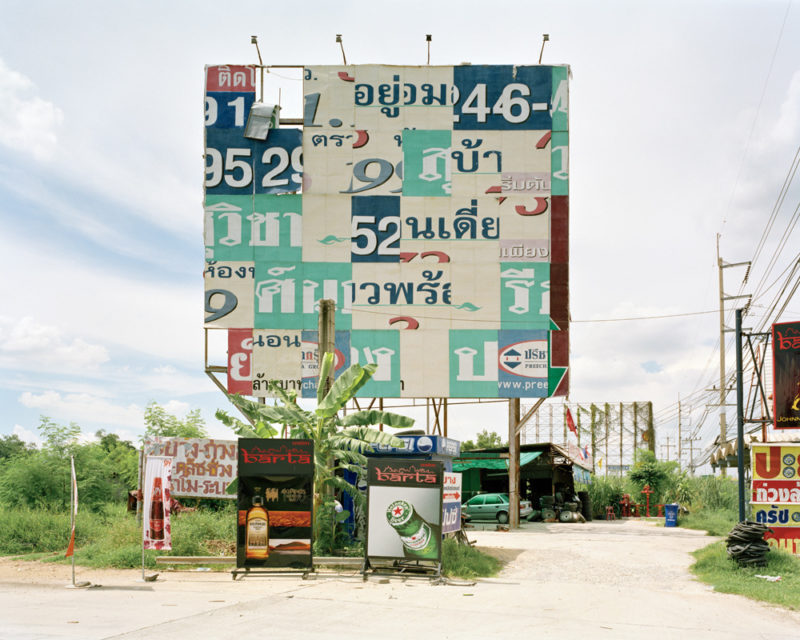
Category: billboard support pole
[327,336]
[513,463]
[739,413]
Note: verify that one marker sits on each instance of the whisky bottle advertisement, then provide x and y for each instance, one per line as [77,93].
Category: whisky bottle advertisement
[274,504]
[257,523]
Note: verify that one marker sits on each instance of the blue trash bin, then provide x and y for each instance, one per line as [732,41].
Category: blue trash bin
[671,514]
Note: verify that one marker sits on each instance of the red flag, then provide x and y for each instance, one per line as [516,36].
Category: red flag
[571,422]
[71,547]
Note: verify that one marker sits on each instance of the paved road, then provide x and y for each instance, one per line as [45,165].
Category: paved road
[624,579]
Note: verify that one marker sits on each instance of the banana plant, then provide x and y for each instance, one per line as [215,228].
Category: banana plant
[340,442]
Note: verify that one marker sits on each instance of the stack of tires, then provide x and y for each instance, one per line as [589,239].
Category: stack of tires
[586,505]
[547,503]
[569,512]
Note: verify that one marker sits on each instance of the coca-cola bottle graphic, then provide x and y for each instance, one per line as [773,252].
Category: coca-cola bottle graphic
[156,529]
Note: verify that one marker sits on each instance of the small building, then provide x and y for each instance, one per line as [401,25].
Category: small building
[545,469]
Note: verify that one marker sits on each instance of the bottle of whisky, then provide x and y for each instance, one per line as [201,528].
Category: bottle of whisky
[157,511]
[418,537]
[257,524]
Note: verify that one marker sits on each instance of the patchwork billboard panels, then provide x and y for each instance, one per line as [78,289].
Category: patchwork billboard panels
[429,203]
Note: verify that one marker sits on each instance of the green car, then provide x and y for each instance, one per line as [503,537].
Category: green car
[493,506]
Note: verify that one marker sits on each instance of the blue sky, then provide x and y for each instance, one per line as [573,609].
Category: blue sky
[685,117]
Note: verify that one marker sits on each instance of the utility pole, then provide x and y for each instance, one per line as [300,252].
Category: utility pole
[607,408]
[723,390]
[680,452]
[691,442]
[621,431]
[513,462]
[594,437]
[667,446]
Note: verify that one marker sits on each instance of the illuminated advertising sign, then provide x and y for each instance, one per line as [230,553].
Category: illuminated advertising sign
[275,503]
[429,203]
[404,509]
[786,372]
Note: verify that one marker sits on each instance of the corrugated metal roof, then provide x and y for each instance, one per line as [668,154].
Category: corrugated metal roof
[462,464]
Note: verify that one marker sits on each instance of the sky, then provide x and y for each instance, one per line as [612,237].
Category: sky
[684,119]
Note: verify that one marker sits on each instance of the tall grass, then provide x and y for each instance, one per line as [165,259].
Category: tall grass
[113,537]
[605,492]
[26,530]
[715,492]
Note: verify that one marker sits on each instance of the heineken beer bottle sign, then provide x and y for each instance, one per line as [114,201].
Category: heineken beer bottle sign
[415,534]
[404,510]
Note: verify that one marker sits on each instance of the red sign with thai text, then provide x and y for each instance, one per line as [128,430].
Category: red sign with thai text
[232,77]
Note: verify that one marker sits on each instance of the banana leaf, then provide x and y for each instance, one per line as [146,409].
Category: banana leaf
[345,387]
[371,417]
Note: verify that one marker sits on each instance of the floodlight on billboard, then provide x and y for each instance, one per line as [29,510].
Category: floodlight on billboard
[429,203]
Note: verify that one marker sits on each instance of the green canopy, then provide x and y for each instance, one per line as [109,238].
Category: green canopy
[462,464]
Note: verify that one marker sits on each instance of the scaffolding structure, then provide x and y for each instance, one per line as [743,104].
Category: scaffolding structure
[610,432]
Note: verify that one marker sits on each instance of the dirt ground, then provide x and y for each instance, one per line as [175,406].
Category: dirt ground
[623,579]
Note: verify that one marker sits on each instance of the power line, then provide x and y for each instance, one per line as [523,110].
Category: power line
[672,315]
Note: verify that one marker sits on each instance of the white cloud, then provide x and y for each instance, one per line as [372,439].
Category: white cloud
[27,122]
[27,344]
[83,408]
[176,408]
[26,435]
[788,123]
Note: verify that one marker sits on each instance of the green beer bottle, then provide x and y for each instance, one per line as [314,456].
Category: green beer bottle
[419,539]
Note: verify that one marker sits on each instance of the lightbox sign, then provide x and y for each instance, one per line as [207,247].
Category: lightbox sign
[430,203]
[786,374]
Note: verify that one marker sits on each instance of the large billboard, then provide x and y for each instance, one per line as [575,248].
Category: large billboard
[430,203]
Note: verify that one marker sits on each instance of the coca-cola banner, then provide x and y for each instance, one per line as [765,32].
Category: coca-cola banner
[156,530]
[275,503]
[786,374]
[404,509]
[201,467]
